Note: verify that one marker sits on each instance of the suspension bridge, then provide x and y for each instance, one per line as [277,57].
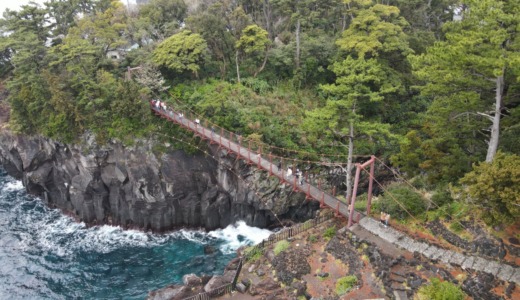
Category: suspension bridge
[274,165]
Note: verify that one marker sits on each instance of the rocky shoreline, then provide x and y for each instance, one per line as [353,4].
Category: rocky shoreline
[137,187]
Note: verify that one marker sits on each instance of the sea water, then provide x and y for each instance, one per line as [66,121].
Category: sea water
[46,255]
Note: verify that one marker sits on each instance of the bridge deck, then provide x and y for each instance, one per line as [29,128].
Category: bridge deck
[234,145]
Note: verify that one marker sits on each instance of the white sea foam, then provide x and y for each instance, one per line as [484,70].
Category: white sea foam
[63,236]
[238,235]
[13,185]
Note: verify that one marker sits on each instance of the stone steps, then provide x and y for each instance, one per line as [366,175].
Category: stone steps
[502,271]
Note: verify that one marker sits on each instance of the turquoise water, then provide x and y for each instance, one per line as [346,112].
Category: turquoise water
[46,255]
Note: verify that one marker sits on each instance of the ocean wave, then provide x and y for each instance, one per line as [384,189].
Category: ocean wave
[238,235]
[12,185]
[64,236]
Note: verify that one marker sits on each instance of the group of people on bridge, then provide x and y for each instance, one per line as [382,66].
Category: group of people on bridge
[161,105]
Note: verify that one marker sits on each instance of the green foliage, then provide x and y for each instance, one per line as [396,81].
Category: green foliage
[399,200]
[259,86]
[375,30]
[253,40]
[281,246]
[494,189]
[329,233]
[183,51]
[163,16]
[253,253]
[313,238]
[441,196]
[438,290]
[463,75]
[456,227]
[361,202]
[345,284]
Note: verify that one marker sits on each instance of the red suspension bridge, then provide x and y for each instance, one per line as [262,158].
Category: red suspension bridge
[252,154]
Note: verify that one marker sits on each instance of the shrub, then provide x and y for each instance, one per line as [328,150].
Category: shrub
[494,189]
[313,238]
[329,233]
[280,247]
[438,290]
[253,253]
[456,227]
[412,201]
[361,202]
[441,197]
[345,284]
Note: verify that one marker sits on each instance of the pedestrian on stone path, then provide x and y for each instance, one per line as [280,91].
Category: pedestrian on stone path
[382,218]
[387,219]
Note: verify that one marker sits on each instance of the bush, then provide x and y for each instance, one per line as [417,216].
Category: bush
[253,253]
[345,284]
[313,238]
[441,197]
[412,201]
[281,246]
[361,202]
[494,189]
[330,232]
[438,290]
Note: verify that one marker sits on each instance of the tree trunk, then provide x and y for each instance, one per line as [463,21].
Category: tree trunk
[263,64]
[348,178]
[495,126]
[268,21]
[297,58]
[238,69]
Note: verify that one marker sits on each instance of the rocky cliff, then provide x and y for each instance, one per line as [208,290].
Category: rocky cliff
[135,187]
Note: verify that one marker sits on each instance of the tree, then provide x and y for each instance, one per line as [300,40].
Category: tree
[213,24]
[474,68]
[364,78]
[254,42]
[183,51]
[163,16]
[26,34]
[494,189]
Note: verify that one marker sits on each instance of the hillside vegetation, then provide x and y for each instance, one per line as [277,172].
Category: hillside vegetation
[430,87]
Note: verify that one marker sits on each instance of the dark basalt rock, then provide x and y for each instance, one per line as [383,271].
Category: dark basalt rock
[290,266]
[133,187]
[479,286]
[483,245]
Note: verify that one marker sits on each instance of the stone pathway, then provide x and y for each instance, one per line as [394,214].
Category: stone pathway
[502,271]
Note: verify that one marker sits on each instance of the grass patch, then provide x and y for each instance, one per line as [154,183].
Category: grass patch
[313,238]
[329,233]
[345,284]
[438,290]
[253,253]
[456,227]
[281,246]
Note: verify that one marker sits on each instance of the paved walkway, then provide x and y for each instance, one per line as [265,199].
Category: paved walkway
[502,271]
